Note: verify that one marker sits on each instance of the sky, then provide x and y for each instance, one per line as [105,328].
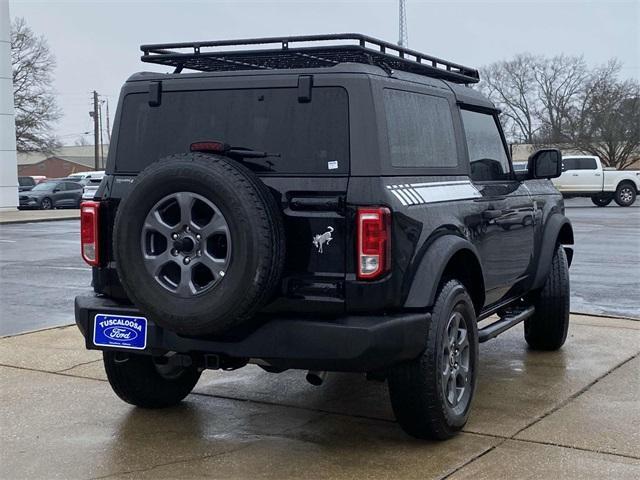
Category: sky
[96,43]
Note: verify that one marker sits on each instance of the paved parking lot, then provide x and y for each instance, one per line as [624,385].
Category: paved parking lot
[571,414]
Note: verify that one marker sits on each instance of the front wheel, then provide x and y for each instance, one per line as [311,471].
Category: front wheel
[431,395]
[547,328]
[139,380]
[46,204]
[602,200]
[625,195]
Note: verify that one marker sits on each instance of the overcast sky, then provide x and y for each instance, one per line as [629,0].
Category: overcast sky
[96,44]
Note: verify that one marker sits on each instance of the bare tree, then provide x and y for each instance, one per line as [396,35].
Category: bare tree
[560,101]
[35,106]
[508,83]
[559,83]
[608,124]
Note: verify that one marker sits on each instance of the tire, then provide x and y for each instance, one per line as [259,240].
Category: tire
[547,328]
[625,195]
[137,380]
[46,204]
[602,200]
[416,387]
[254,233]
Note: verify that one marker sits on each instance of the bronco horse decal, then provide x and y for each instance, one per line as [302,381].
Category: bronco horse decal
[320,240]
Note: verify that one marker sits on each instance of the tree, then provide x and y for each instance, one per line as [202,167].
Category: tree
[608,125]
[560,101]
[35,107]
[509,85]
[558,83]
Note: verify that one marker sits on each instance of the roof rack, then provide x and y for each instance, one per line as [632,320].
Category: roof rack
[319,51]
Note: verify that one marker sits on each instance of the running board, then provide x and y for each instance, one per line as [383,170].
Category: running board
[513,318]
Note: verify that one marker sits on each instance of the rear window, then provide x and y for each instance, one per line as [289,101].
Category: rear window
[420,130]
[311,138]
[26,181]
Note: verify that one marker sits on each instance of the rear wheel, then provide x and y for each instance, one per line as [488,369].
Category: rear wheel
[140,381]
[547,328]
[602,199]
[625,194]
[431,395]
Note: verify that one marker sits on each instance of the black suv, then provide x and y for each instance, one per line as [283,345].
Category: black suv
[327,203]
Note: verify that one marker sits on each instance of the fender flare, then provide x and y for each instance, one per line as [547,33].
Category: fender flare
[558,229]
[424,288]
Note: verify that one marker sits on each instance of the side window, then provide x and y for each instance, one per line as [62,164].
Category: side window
[68,186]
[569,164]
[420,129]
[487,155]
[588,164]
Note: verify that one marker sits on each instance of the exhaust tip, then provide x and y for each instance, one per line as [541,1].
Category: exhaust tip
[316,378]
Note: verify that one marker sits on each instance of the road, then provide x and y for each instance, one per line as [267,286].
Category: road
[605,274]
[40,273]
[41,270]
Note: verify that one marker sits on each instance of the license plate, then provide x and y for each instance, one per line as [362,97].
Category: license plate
[120,331]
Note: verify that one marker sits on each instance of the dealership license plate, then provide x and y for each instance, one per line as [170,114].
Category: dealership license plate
[120,331]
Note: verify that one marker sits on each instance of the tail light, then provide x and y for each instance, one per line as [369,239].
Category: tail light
[89,232]
[374,242]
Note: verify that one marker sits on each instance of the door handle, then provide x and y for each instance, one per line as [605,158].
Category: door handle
[491,214]
[597,174]
[575,175]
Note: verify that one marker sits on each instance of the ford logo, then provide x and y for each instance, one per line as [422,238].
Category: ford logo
[120,333]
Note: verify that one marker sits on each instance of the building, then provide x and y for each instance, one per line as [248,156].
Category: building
[59,163]
[8,177]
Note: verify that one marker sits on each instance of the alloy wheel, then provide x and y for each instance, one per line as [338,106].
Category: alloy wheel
[186,244]
[456,364]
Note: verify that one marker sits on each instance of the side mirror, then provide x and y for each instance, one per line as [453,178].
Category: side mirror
[545,163]
[56,190]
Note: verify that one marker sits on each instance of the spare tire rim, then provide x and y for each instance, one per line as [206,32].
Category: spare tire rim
[455,360]
[186,244]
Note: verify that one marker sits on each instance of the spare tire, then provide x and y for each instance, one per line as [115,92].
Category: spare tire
[199,243]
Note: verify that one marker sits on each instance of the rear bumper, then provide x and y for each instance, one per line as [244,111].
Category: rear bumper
[349,343]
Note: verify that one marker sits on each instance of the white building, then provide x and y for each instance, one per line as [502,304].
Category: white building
[8,162]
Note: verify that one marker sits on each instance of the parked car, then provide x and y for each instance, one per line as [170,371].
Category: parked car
[584,176]
[26,183]
[91,187]
[52,194]
[358,217]
[84,178]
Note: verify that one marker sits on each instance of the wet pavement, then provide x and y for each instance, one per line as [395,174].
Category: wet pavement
[605,274]
[40,274]
[567,414]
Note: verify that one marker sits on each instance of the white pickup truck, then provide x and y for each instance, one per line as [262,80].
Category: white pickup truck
[584,176]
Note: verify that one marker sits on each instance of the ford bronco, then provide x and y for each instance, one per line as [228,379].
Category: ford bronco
[325,203]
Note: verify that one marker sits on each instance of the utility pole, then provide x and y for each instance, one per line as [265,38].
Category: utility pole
[101,140]
[108,128]
[96,132]
[403,37]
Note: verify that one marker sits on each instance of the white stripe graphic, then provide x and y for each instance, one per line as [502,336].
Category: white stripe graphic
[397,195]
[422,193]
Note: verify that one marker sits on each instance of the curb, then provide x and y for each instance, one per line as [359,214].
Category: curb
[38,220]
[603,315]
